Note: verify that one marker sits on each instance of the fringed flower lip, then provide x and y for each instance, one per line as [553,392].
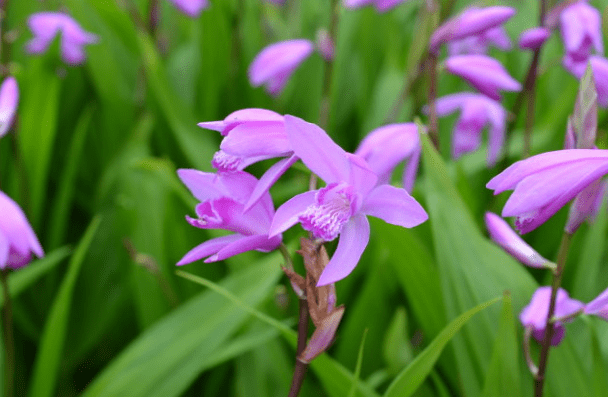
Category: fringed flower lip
[342,206]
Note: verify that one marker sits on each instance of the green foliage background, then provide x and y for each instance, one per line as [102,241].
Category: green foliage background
[93,164]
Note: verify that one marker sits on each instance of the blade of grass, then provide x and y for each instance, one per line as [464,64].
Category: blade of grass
[50,350]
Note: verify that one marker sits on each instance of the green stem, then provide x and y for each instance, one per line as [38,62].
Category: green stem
[539,379]
[9,342]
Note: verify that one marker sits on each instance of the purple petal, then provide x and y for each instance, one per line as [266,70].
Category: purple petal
[549,185]
[287,214]
[385,5]
[533,38]
[580,25]
[586,205]
[470,22]
[352,243]
[410,171]
[357,3]
[269,178]
[482,72]
[503,235]
[208,248]
[9,98]
[317,150]
[600,74]
[279,60]
[206,186]
[387,146]
[257,138]
[239,117]
[362,178]
[4,250]
[192,8]
[394,206]
[451,103]
[249,243]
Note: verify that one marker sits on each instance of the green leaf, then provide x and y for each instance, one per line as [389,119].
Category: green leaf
[406,383]
[599,368]
[168,356]
[397,348]
[335,378]
[21,280]
[472,270]
[503,374]
[38,116]
[50,351]
[60,214]
[353,388]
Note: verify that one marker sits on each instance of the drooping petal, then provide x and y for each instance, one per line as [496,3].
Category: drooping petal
[352,243]
[394,206]
[598,306]
[503,235]
[207,248]
[410,171]
[239,117]
[317,150]
[269,178]
[287,215]
[248,243]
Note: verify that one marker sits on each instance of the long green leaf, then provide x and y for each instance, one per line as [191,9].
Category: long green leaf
[411,377]
[168,356]
[50,352]
[503,374]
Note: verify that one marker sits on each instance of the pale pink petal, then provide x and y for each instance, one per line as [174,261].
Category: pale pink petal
[207,248]
[287,215]
[249,243]
[192,8]
[269,178]
[394,206]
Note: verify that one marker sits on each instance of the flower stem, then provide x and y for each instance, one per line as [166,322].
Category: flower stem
[300,369]
[433,124]
[7,332]
[539,379]
[329,67]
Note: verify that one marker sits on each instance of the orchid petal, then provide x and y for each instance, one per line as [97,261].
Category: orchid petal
[209,247]
[257,138]
[317,150]
[259,242]
[394,206]
[4,250]
[268,179]
[287,214]
[352,243]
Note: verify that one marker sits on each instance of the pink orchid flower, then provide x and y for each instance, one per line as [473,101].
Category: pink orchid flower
[223,198]
[342,206]
[192,8]
[17,239]
[9,98]
[46,25]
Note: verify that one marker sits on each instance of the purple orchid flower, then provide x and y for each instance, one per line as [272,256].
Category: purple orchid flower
[342,206]
[252,135]
[544,183]
[9,98]
[385,147]
[533,38]
[472,21]
[276,63]
[17,239]
[503,235]
[476,111]
[534,316]
[223,198]
[580,25]
[192,8]
[482,72]
[479,43]
[381,5]
[325,45]
[46,25]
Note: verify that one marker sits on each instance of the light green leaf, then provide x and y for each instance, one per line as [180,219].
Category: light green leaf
[353,388]
[412,377]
